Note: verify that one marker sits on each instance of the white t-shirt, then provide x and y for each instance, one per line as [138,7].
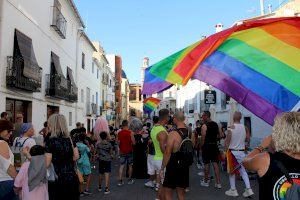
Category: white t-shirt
[4,164]
[238,137]
[30,142]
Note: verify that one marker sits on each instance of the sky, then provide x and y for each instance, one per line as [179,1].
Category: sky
[135,29]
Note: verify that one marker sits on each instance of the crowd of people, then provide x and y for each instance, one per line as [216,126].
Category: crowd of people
[161,152]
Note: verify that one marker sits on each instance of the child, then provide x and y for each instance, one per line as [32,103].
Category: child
[83,163]
[32,178]
[105,150]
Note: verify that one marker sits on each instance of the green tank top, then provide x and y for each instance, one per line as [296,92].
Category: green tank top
[154,132]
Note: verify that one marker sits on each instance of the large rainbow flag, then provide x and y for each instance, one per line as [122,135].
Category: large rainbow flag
[150,104]
[257,63]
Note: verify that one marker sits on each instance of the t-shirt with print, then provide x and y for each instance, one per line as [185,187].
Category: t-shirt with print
[19,144]
[104,148]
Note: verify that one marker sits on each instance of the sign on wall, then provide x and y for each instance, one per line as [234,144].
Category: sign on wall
[210,96]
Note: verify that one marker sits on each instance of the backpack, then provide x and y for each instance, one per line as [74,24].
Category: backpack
[293,192]
[16,149]
[186,150]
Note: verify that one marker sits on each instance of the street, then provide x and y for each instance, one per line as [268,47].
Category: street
[139,191]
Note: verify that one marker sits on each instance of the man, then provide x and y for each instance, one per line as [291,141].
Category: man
[126,140]
[210,150]
[176,174]
[159,138]
[76,131]
[196,140]
[237,135]
[17,125]
[4,116]
[150,159]
[190,129]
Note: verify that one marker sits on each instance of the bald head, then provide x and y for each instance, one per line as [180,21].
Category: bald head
[237,116]
[179,116]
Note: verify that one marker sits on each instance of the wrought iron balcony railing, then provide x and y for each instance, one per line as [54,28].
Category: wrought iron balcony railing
[57,86]
[73,95]
[59,23]
[16,79]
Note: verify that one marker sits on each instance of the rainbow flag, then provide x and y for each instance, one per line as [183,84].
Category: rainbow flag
[150,104]
[257,63]
[232,163]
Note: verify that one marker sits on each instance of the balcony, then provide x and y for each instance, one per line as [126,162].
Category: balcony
[58,87]
[91,109]
[59,23]
[73,96]
[15,75]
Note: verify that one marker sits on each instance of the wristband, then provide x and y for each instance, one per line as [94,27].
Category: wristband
[259,148]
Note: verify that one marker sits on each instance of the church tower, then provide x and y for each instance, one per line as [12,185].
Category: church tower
[143,68]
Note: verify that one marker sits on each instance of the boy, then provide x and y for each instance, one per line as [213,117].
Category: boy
[105,150]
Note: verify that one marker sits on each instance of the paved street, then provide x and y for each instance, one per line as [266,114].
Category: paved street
[138,191]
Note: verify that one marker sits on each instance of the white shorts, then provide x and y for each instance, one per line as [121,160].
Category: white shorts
[150,165]
[157,165]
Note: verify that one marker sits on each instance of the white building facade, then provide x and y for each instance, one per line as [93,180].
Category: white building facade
[48,64]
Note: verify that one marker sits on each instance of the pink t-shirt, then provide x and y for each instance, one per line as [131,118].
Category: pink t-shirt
[40,192]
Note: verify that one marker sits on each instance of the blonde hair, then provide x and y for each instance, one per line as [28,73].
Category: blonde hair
[58,126]
[286,132]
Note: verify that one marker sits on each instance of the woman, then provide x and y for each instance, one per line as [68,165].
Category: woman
[286,140]
[7,170]
[63,154]
[24,141]
[139,150]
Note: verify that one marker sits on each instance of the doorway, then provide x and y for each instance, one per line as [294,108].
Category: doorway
[15,106]
[52,110]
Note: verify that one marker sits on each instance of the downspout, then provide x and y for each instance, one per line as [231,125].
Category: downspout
[79,31]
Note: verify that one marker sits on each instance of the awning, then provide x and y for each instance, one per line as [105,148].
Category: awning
[55,60]
[31,68]
[70,75]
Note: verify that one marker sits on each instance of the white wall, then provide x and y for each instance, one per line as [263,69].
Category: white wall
[33,18]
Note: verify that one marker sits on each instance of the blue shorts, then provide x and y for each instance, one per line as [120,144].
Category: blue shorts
[7,190]
[126,159]
[85,169]
[104,166]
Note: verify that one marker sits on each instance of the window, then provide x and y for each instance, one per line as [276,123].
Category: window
[82,96]
[109,82]
[140,95]
[70,118]
[83,60]
[92,67]
[97,73]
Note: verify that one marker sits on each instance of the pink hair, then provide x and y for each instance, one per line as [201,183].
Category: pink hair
[101,125]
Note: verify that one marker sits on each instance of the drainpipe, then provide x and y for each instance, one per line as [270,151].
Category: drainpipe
[1,19]
[78,36]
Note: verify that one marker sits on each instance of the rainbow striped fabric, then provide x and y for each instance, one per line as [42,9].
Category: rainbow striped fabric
[150,104]
[232,163]
[257,63]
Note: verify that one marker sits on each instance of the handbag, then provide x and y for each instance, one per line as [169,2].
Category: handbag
[51,174]
[80,176]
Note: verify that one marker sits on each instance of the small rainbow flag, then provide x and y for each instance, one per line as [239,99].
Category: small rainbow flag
[232,163]
[150,104]
[257,63]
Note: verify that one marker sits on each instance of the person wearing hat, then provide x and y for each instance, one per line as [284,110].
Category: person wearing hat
[7,169]
[25,140]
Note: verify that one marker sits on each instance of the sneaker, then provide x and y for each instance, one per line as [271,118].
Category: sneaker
[99,188]
[204,183]
[130,181]
[106,191]
[248,192]
[150,184]
[201,173]
[198,165]
[156,187]
[81,194]
[87,192]
[232,193]
[120,183]
[218,185]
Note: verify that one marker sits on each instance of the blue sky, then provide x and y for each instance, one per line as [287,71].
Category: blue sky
[157,28]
